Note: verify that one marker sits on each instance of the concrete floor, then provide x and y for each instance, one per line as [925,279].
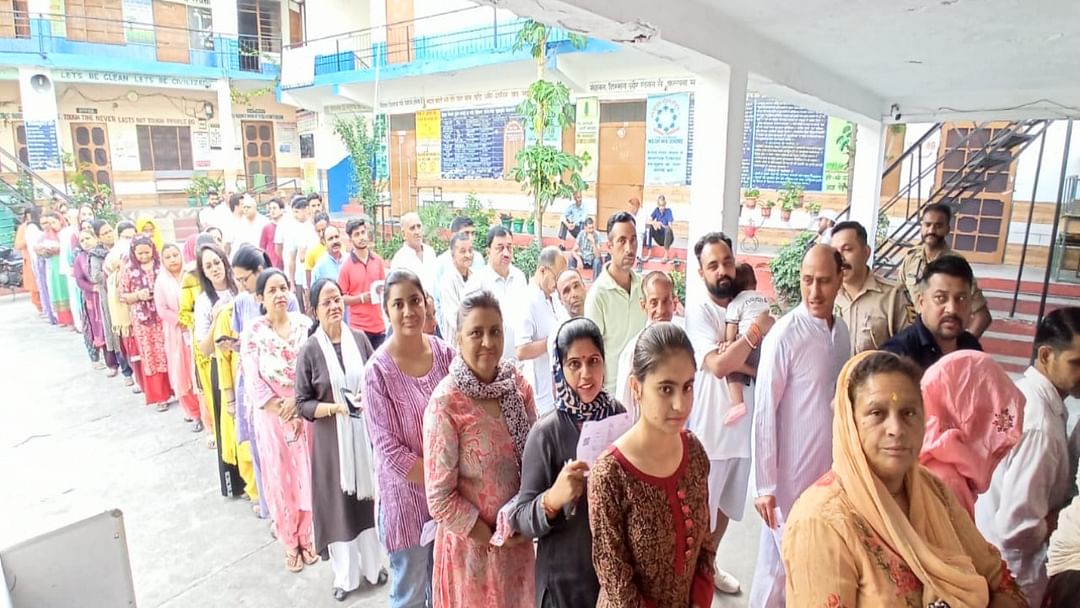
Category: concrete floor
[74,443]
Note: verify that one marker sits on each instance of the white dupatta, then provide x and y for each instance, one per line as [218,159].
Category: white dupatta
[355,458]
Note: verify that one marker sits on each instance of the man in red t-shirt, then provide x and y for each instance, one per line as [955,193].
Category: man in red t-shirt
[360,270]
[274,209]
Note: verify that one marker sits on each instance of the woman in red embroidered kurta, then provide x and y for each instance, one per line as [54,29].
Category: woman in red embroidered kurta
[879,529]
[648,493]
[474,433]
[137,279]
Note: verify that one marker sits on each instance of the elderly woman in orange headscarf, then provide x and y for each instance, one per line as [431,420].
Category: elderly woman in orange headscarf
[974,416]
[879,529]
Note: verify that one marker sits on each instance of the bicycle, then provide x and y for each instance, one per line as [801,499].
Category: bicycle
[749,241]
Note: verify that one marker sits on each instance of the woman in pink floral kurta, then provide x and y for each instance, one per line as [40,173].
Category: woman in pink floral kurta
[270,349]
[474,431]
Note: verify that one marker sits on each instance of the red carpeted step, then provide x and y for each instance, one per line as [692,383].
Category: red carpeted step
[1003,305]
[1064,290]
[1018,347]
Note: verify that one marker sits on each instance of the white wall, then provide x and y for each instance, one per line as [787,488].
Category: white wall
[1051,165]
[333,17]
[468,15]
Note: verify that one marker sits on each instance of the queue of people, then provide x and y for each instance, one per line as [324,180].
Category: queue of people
[891,462]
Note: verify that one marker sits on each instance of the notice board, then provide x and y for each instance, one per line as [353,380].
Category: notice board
[473,142]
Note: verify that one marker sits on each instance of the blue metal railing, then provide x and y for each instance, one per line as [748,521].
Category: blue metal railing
[46,34]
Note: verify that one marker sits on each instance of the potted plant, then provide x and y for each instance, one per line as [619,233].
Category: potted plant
[785,210]
[200,185]
[814,208]
[798,196]
[530,225]
[518,224]
[506,220]
[752,196]
[766,208]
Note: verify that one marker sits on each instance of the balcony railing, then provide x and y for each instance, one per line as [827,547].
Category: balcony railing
[397,44]
[47,34]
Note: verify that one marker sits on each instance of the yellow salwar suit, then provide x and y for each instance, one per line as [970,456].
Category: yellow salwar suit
[233,451]
[189,292]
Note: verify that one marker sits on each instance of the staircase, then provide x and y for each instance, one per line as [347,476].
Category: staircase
[21,188]
[967,180]
[1010,336]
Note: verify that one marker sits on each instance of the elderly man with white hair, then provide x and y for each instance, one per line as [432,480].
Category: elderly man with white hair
[415,255]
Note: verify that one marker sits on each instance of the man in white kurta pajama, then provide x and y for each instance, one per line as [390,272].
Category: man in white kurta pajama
[1034,481]
[801,359]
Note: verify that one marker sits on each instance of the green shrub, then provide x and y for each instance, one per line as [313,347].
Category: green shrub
[678,277]
[526,258]
[785,269]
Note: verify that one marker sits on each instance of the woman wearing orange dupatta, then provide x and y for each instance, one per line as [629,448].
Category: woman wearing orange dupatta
[29,282]
[974,416]
[879,529]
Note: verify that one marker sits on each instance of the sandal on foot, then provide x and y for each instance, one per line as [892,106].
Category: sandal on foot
[309,555]
[112,372]
[383,577]
[99,365]
[211,444]
[197,427]
[163,407]
[293,562]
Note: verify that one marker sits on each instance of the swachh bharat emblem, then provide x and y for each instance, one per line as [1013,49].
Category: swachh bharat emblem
[665,118]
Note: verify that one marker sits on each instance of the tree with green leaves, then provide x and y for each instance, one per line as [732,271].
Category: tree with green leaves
[543,171]
[363,142]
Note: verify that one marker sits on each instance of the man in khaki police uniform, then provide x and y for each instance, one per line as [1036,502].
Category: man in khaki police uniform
[934,227]
[874,309]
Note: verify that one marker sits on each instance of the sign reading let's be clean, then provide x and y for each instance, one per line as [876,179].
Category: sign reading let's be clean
[146,80]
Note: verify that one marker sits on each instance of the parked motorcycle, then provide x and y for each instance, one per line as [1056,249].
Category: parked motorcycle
[11,266]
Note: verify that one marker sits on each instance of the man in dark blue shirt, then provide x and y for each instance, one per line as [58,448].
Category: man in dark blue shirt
[944,306]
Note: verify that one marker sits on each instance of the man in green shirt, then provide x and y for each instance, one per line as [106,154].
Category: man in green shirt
[614,300]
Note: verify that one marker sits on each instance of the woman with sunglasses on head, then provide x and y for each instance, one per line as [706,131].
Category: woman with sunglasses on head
[330,395]
[270,352]
[218,290]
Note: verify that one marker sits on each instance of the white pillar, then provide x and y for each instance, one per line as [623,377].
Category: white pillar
[232,157]
[37,95]
[866,182]
[719,121]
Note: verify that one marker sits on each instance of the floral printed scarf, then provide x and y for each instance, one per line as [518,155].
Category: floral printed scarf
[570,402]
[144,311]
[504,388]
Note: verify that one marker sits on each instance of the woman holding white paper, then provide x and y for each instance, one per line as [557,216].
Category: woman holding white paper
[552,505]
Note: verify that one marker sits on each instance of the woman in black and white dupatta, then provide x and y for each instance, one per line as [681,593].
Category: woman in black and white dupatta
[329,376]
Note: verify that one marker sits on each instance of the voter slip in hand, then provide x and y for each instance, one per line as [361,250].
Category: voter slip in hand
[597,435]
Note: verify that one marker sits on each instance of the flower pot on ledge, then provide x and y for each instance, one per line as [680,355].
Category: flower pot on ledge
[751,203]
[518,226]
[785,215]
[766,213]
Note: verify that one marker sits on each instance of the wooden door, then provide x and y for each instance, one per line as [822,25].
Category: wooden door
[91,143]
[981,222]
[513,142]
[402,172]
[399,31]
[620,173]
[170,31]
[296,25]
[95,21]
[259,158]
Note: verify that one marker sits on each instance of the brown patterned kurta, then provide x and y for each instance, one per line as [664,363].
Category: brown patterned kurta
[650,534]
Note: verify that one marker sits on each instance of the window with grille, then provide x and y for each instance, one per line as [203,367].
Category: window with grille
[260,20]
[164,148]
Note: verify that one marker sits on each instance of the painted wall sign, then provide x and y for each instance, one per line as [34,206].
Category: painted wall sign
[258,116]
[666,133]
[414,103]
[86,110]
[42,148]
[784,143]
[587,134]
[643,85]
[166,82]
[132,120]
[428,144]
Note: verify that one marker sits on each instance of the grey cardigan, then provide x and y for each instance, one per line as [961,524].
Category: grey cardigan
[564,566]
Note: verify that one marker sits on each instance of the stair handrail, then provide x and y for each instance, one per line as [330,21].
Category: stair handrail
[954,186]
[22,167]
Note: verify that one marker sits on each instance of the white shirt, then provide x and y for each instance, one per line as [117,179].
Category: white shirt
[508,291]
[745,308]
[626,366]
[424,267]
[705,325]
[444,264]
[1033,480]
[801,358]
[248,232]
[222,218]
[450,292]
[538,323]
[297,238]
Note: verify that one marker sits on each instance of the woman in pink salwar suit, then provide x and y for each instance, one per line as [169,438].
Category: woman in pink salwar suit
[177,336]
[270,349]
[974,416]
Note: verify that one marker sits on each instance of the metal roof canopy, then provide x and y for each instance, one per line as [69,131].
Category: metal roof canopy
[933,59]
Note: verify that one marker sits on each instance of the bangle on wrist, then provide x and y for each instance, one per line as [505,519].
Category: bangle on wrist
[548,510]
[750,343]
